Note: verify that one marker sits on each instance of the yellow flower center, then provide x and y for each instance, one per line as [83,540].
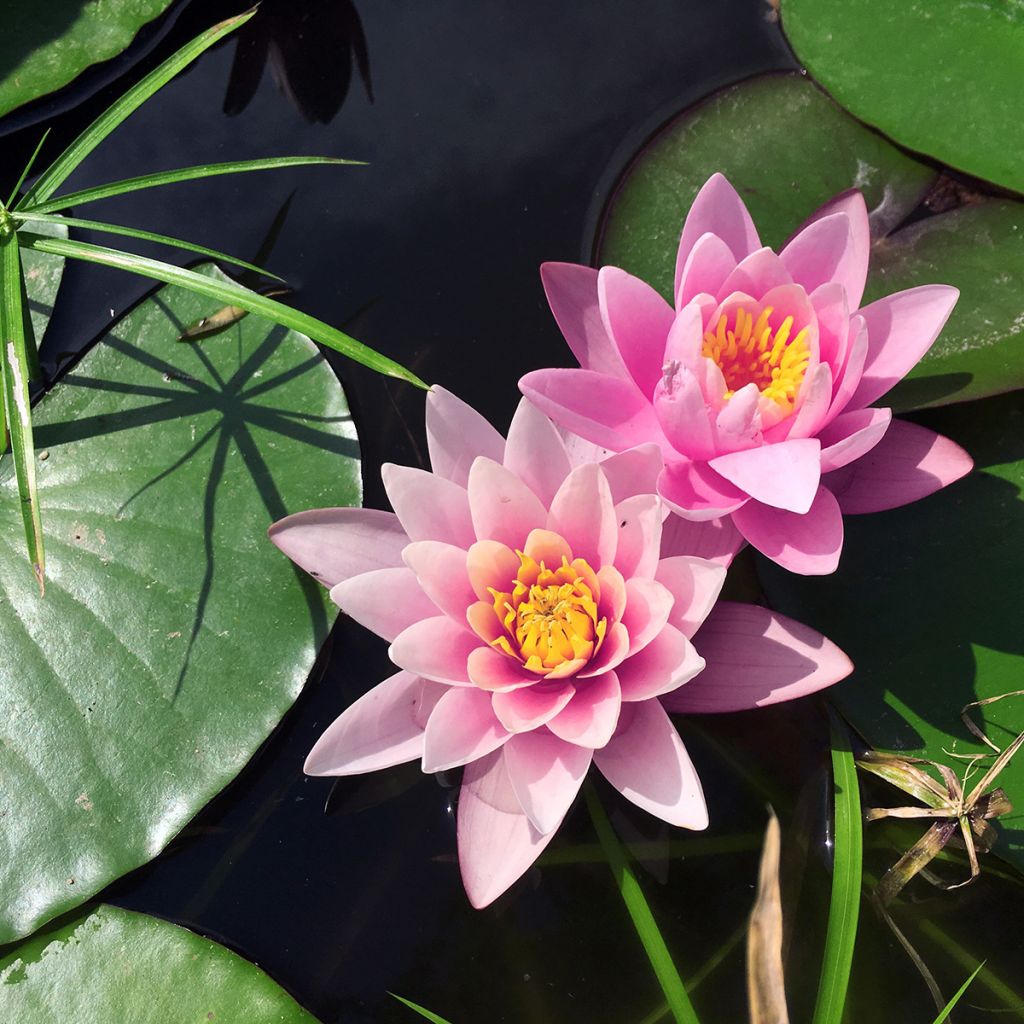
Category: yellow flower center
[752,352]
[550,616]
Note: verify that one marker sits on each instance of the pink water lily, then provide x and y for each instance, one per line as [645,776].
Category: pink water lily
[758,385]
[539,626]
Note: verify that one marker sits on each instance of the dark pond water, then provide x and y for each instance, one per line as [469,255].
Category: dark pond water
[494,133]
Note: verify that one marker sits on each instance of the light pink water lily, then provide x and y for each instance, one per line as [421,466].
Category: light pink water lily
[758,385]
[538,626]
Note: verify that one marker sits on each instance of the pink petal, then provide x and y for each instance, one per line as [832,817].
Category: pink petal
[638,319]
[668,661]
[379,730]
[547,547]
[436,648]
[784,475]
[683,413]
[851,435]
[606,410]
[535,452]
[738,423]
[572,295]
[461,728]
[632,472]
[590,717]
[441,572]
[720,211]
[715,539]
[489,563]
[697,492]
[648,606]
[758,273]
[497,843]
[546,774]
[496,672]
[809,544]
[582,513]
[639,545]
[613,592]
[826,251]
[614,651]
[385,601]
[832,309]
[708,264]
[530,707]
[901,328]
[847,382]
[456,435]
[757,657]
[814,403]
[695,583]
[686,336]
[502,506]
[852,204]
[647,763]
[332,544]
[428,506]
[909,462]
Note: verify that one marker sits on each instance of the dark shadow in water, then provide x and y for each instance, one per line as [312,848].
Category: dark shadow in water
[914,392]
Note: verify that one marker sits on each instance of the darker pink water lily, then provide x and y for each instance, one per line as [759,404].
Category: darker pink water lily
[758,386]
[539,626]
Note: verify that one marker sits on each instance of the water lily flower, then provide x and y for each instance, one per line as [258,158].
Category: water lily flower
[759,384]
[538,627]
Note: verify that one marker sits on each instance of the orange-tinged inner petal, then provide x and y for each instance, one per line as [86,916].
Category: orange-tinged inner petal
[549,616]
[750,351]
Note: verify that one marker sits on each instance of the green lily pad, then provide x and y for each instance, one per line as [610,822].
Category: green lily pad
[944,78]
[44,49]
[926,602]
[173,636]
[108,965]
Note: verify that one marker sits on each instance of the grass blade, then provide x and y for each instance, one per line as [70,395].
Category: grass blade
[173,177]
[55,175]
[844,906]
[432,1017]
[14,369]
[28,169]
[948,1009]
[230,294]
[639,910]
[145,236]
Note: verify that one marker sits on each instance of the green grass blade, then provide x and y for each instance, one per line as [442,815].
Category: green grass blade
[230,294]
[173,177]
[28,169]
[948,1008]
[35,371]
[844,906]
[56,174]
[14,369]
[145,236]
[432,1017]
[640,912]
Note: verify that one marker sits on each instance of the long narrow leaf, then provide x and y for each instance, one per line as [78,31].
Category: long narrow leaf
[643,920]
[844,906]
[173,177]
[422,1011]
[14,369]
[145,236]
[948,1009]
[27,169]
[56,174]
[230,294]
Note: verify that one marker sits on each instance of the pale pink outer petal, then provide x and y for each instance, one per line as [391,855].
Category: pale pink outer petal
[639,544]
[695,583]
[758,273]
[535,452]
[381,729]
[546,774]
[590,717]
[696,492]
[502,506]
[716,539]
[809,544]
[648,606]
[436,648]
[667,662]
[332,544]
[708,264]
[757,657]
[497,842]
[385,601]
[456,435]
[530,707]
[901,328]
[582,512]
[606,410]
[852,435]
[428,506]
[719,210]
[441,572]
[638,320]
[826,251]
[784,475]
[489,563]
[909,462]
[572,296]
[496,672]
[462,728]
[635,471]
[647,763]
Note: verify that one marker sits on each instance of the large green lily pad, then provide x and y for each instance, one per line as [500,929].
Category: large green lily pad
[927,602]
[46,46]
[944,78]
[173,636]
[109,965]
[787,148]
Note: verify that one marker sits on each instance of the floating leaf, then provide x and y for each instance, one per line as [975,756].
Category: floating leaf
[173,636]
[108,965]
